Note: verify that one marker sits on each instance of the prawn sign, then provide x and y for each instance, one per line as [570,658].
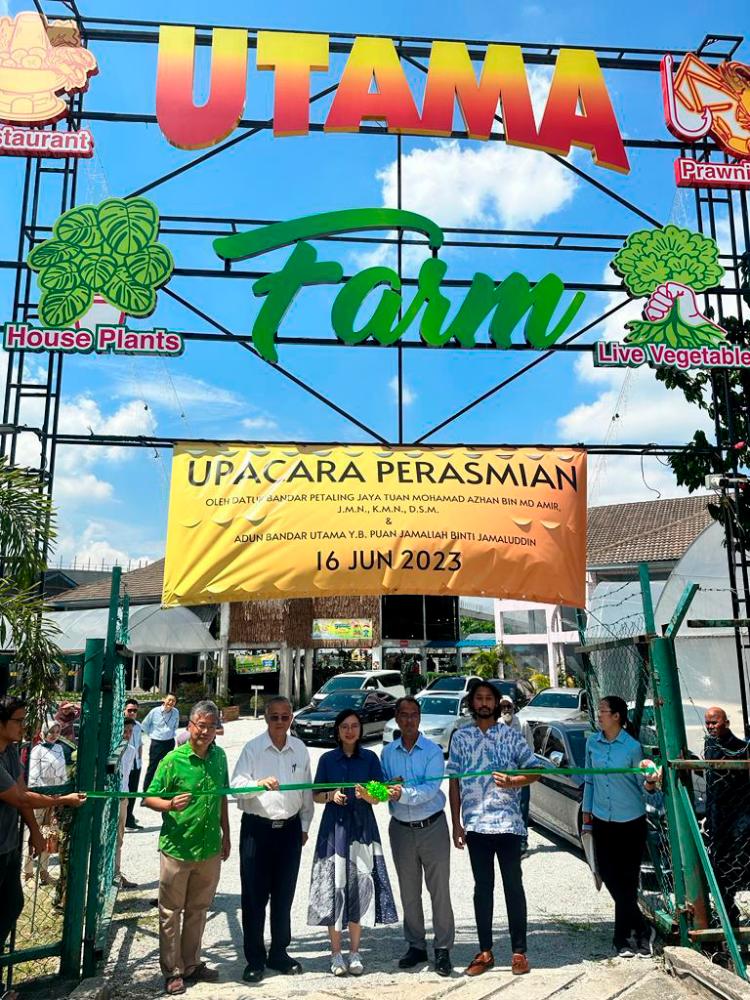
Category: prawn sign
[703,100]
[671,266]
[38,64]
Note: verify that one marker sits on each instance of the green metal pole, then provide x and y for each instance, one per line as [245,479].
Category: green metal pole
[700,847]
[80,833]
[686,865]
[96,870]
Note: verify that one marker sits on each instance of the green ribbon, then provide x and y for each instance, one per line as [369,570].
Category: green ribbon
[370,786]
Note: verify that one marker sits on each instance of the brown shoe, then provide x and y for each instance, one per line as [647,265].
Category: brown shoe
[519,965]
[202,973]
[482,962]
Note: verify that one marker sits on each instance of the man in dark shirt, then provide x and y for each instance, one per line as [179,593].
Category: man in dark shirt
[727,810]
[16,798]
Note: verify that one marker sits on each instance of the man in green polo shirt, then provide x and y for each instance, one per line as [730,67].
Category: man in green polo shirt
[194,841]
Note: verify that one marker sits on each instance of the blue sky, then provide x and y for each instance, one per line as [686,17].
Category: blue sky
[113,503]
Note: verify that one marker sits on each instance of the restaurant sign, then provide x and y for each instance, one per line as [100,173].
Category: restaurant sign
[342,628]
[40,64]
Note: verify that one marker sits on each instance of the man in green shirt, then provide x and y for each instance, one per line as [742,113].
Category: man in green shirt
[194,841]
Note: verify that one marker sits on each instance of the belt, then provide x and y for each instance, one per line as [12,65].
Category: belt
[275,824]
[421,823]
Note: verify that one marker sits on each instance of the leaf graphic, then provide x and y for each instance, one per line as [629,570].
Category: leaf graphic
[128,296]
[51,252]
[97,272]
[59,277]
[151,266]
[60,309]
[80,227]
[128,226]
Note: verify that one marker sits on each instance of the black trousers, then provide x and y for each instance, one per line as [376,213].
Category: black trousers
[483,849]
[11,893]
[157,749]
[619,851]
[269,865]
[133,780]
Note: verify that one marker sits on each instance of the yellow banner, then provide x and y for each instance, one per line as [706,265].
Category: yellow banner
[278,521]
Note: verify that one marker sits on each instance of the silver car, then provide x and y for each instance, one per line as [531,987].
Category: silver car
[554,704]
[442,715]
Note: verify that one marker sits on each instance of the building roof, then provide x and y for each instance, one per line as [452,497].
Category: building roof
[650,531]
[623,533]
[143,585]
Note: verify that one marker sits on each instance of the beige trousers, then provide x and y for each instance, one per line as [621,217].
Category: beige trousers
[186,890]
[120,833]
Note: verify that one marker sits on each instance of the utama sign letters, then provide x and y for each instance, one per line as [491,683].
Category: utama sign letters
[373,87]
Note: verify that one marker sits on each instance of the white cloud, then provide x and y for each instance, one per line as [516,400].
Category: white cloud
[408,394]
[82,486]
[509,186]
[177,392]
[265,424]
[91,547]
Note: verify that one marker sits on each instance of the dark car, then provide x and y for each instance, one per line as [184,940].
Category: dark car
[519,691]
[556,799]
[314,724]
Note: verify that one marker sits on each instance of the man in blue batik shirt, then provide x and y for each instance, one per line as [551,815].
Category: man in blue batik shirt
[419,836]
[492,825]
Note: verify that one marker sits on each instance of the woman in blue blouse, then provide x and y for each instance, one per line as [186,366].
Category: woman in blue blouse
[614,810]
[349,884]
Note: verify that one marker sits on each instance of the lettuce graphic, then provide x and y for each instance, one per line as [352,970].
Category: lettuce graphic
[670,265]
[109,250]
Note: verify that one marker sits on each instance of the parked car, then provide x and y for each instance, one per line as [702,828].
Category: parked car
[553,705]
[442,714]
[556,799]
[519,691]
[314,724]
[365,680]
[451,683]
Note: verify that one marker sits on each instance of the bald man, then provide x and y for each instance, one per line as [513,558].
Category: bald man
[727,810]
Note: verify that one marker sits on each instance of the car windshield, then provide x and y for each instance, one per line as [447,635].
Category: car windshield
[343,699]
[577,739]
[555,699]
[342,681]
[448,684]
[439,706]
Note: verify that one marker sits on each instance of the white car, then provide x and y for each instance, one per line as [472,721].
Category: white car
[451,684]
[363,680]
[554,705]
[442,714]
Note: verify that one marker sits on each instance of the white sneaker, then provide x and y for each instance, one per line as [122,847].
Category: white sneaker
[338,965]
[355,964]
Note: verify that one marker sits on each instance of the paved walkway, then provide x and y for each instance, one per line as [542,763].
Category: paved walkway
[569,931]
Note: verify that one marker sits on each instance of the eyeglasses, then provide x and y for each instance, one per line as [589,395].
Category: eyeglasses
[279,718]
[131,709]
[16,718]
[203,727]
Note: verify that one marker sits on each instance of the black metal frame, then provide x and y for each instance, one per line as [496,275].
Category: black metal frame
[713,49]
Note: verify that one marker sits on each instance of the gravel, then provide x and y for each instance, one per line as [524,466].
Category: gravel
[569,926]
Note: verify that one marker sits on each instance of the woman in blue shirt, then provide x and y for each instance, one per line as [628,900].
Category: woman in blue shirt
[614,810]
[160,725]
[349,884]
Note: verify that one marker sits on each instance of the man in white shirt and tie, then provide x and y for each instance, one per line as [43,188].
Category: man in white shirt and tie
[274,830]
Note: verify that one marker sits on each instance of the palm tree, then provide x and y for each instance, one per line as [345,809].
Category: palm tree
[27,518]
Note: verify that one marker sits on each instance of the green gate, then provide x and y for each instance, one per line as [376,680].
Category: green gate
[678,886]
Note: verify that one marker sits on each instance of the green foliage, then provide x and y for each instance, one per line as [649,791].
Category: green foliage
[486,663]
[540,681]
[468,625]
[652,256]
[699,457]
[36,659]
[109,250]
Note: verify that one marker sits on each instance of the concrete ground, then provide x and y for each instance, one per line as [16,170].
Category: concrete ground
[570,930]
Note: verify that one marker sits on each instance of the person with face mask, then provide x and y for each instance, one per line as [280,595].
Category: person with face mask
[486,816]
[46,768]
